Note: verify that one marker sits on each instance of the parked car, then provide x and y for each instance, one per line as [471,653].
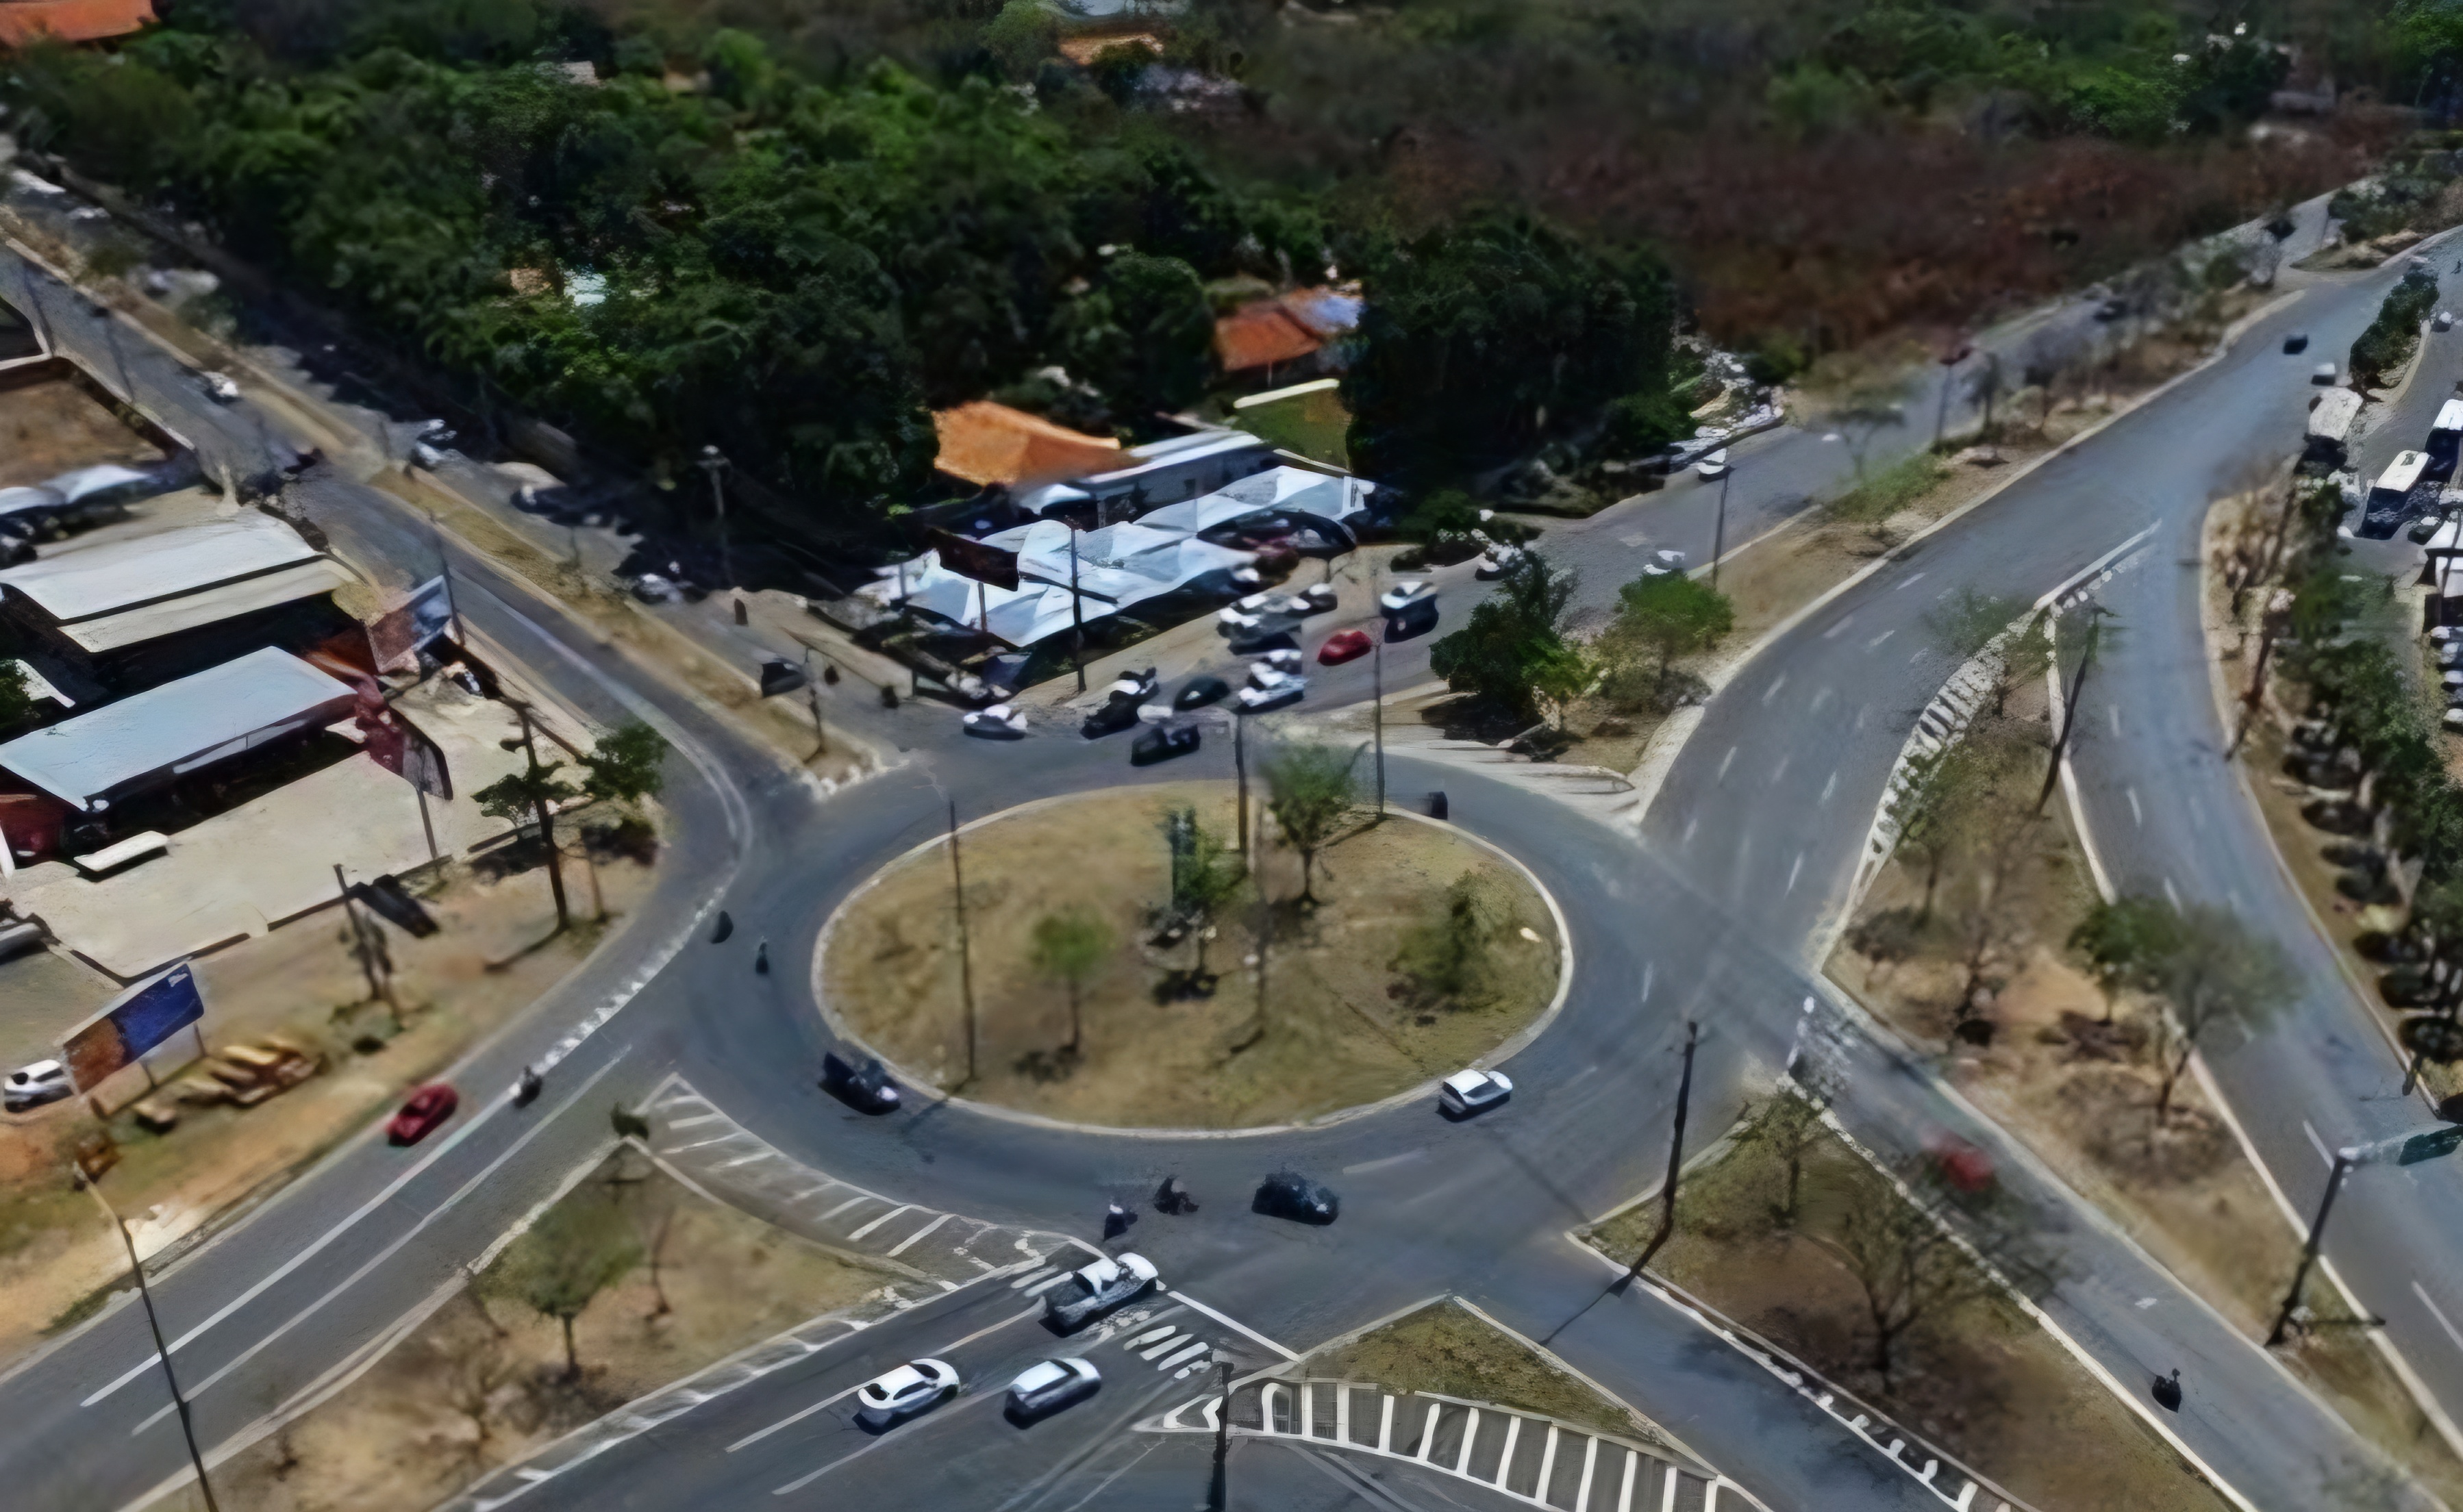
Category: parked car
[998,723]
[2296,343]
[1283,659]
[2442,320]
[1471,1092]
[1133,687]
[1496,562]
[1260,697]
[1047,1387]
[1115,716]
[863,1086]
[1319,598]
[1163,743]
[2323,372]
[652,588]
[34,1085]
[218,387]
[1095,1289]
[1199,693]
[1267,635]
[1344,646]
[2425,527]
[893,1396]
[1288,1194]
[1713,464]
[426,1107]
[1410,606]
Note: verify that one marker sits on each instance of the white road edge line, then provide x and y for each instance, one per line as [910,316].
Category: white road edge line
[1229,1322]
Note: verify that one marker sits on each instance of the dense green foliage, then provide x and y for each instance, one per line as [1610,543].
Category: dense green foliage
[2392,337]
[1513,652]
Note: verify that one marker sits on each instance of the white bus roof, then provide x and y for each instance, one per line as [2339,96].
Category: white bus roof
[2449,416]
[2402,474]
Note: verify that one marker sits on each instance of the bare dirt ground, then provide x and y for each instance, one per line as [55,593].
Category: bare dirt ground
[48,427]
[1977,1376]
[493,956]
[1338,1028]
[482,1382]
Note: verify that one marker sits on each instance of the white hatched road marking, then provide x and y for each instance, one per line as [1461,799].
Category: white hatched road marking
[905,1244]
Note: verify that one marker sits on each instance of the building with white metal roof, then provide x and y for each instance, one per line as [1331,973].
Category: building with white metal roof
[154,738]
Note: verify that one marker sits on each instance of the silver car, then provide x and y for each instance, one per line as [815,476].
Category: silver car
[1051,1385]
[33,1085]
[1095,1289]
[1469,1091]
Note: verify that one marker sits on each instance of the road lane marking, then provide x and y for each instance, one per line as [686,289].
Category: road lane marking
[392,1188]
[2439,1313]
[848,1203]
[1151,1335]
[390,1250]
[2171,895]
[790,1423]
[2114,709]
[1780,772]
[1771,692]
[697,1118]
[1649,970]
[1038,1273]
[1157,1351]
[1830,786]
[1793,870]
[918,1234]
[698,1144]
[2135,812]
[1832,633]
[882,1219]
[1908,582]
[1043,1286]
[2316,1143]
[1229,1322]
[1184,1356]
[1724,763]
[1364,1166]
[1688,838]
[744,1159]
[1875,644]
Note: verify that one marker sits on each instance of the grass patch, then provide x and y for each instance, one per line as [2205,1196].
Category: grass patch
[1448,1349]
[1974,1374]
[1887,491]
[1314,425]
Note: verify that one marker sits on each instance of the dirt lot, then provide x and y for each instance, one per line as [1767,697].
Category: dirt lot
[1338,1027]
[483,1381]
[1976,1376]
[48,427]
[58,1259]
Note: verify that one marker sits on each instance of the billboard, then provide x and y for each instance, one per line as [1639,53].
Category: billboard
[985,563]
[130,1025]
[403,748]
[398,633]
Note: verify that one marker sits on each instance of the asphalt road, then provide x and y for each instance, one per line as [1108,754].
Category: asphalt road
[1723,895]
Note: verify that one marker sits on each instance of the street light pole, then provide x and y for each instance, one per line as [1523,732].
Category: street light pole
[1076,611]
[1675,1161]
[1376,712]
[2310,1249]
[162,1350]
[965,964]
[1719,530]
[2432,1143]
[713,464]
[1218,1490]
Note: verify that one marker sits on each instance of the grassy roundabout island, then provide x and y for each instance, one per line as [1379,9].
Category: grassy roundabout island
[1422,951]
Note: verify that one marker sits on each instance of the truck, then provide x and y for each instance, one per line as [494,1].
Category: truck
[2331,415]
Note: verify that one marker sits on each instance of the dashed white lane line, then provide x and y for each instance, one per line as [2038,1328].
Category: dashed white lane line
[2171,895]
[850,1202]
[1725,762]
[392,1188]
[2135,812]
[1830,786]
[790,1423]
[2317,1144]
[1229,1322]
[1795,870]
[1875,644]
[696,1120]
[918,1234]
[1382,1162]
[882,1219]
[1771,692]
[2439,1313]
[1910,581]
[2114,709]
[1778,773]
[1845,620]
[744,1159]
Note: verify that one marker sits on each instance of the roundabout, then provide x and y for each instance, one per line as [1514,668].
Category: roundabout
[1130,968]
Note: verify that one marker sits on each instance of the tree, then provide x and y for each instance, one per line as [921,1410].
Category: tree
[1069,947]
[1669,617]
[2213,974]
[1862,394]
[1143,335]
[579,1248]
[1020,36]
[1206,874]
[1312,790]
[17,703]
[1449,960]
[1995,834]
[2125,943]
[1513,641]
[1909,1266]
[627,765]
[531,793]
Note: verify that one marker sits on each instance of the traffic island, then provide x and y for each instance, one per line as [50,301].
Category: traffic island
[1127,968]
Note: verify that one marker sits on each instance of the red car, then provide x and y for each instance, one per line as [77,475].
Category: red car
[429,1106]
[1343,645]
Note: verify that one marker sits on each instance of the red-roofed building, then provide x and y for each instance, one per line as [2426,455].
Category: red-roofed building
[24,22]
[986,443]
[1288,333]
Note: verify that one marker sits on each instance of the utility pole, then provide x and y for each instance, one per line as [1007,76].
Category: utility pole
[1675,1162]
[2070,708]
[1719,529]
[966,963]
[713,464]
[161,1349]
[1218,1490]
[1377,711]
[1077,610]
[367,942]
[1240,775]
[2434,1143]
[2310,1249]
[813,696]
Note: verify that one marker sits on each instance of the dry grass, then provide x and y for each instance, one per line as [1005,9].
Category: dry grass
[47,428]
[1334,1033]
[1980,1379]
[455,1399]
[1446,1349]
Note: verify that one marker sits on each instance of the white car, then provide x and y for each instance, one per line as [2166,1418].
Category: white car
[33,1085]
[1283,659]
[1232,619]
[1095,1289]
[1270,689]
[2444,321]
[1496,562]
[1045,1388]
[1469,1091]
[2322,373]
[1319,598]
[1713,464]
[218,387]
[1407,596]
[650,587]
[999,722]
[895,1395]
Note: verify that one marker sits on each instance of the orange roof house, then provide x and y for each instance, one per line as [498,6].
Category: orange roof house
[1264,334]
[23,22]
[986,443]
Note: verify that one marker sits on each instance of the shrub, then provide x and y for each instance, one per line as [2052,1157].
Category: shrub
[1888,490]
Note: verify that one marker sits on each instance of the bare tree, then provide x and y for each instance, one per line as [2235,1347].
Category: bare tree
[1909,1266]
[1861,394]
[473,1366]
[2213,974]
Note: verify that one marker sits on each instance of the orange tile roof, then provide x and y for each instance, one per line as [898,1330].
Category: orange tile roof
[26,21]
[985,443]
[1263,335]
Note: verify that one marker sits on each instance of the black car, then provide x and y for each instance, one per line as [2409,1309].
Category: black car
[1268,637]
[1288,1194]
[1111,718]
[1162,743]
[1200,692]
[2296,342]
[863,1086]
